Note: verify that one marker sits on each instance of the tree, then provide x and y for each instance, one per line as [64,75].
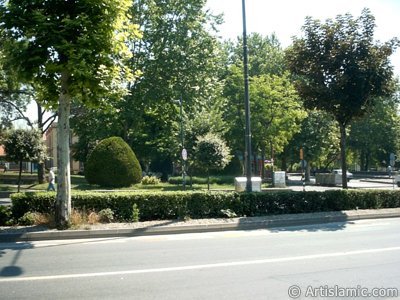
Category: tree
[74,50]
[265,54]
[319,137]
[276,115]
[24,145]
[339,69]
[376,135]
[268,82]
[13,97]
[179,59]
[208,119]
[211,153]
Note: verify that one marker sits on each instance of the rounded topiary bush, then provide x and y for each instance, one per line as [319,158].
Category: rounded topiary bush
[112,163]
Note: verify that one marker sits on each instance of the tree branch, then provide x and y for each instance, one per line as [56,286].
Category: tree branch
[21,113]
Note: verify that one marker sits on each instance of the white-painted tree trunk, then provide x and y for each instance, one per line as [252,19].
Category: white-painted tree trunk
[63,199]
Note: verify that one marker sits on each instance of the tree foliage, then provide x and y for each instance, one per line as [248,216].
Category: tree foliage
[73,50]
[276,109]
[277,112]
[178,59]
[211,153]
[340,69]
[319,138]
[265,54]
[13,97]
[376,135]
[24,146]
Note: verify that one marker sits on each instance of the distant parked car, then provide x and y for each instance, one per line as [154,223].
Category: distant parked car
[339,172]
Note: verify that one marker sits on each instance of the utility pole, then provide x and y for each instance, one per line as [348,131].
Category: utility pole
[183,150]
[247,103]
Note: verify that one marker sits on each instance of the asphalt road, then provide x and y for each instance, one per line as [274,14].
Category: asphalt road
[260,264]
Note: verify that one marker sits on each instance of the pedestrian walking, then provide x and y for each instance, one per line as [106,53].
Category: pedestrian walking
[389,169]
[52,180]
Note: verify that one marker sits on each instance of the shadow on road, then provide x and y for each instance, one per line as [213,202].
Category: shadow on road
[311,222]
[13,270]
[312,228]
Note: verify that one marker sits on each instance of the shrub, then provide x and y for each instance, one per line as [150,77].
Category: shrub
[150,180]
[27,219]
[106,215]
[44,219]
[112,163]
[78,218]
[39,202]
[135,213]
[93,218]
[178,205]
[5,215]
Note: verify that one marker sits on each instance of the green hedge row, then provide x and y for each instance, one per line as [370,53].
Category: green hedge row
[173,205]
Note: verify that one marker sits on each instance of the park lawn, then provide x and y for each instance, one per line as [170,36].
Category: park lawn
[79,183]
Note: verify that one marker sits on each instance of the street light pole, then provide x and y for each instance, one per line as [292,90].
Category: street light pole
[247,103]
[183,150]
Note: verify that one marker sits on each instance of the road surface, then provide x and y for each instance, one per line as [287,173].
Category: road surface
[280,263]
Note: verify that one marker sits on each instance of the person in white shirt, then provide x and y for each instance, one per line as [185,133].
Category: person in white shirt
[52,180]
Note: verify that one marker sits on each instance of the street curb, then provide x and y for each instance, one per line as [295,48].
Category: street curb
[235,224]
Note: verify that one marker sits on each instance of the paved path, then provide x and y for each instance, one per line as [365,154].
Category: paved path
[5,201]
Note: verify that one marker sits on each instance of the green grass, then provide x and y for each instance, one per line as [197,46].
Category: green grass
[16,173]
[79,183]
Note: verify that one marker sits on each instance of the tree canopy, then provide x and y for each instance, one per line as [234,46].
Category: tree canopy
[73,50]
[211,153]
[179,59]
[276,108]
[24,146]
[340,69]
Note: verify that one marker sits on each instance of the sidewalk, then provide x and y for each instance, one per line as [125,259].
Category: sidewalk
[35,233]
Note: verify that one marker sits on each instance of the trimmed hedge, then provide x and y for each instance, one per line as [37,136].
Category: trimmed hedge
[173,205]
[112,163]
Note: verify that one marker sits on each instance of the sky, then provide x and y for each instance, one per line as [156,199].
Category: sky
[286,17]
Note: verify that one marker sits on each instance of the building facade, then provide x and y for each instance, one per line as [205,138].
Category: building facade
[51,145]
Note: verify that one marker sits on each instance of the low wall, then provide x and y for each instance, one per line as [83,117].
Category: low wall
[328,179]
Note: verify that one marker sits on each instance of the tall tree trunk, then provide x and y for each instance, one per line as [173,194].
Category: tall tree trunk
[41,175]
[284,159]
[367,160]
[255,164]
[263,163]
[308,173]
[63,198]
[208,179]
[19,175]
[343,154]
[362,160]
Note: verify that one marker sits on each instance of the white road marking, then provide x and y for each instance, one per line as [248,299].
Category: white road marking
[203,266]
